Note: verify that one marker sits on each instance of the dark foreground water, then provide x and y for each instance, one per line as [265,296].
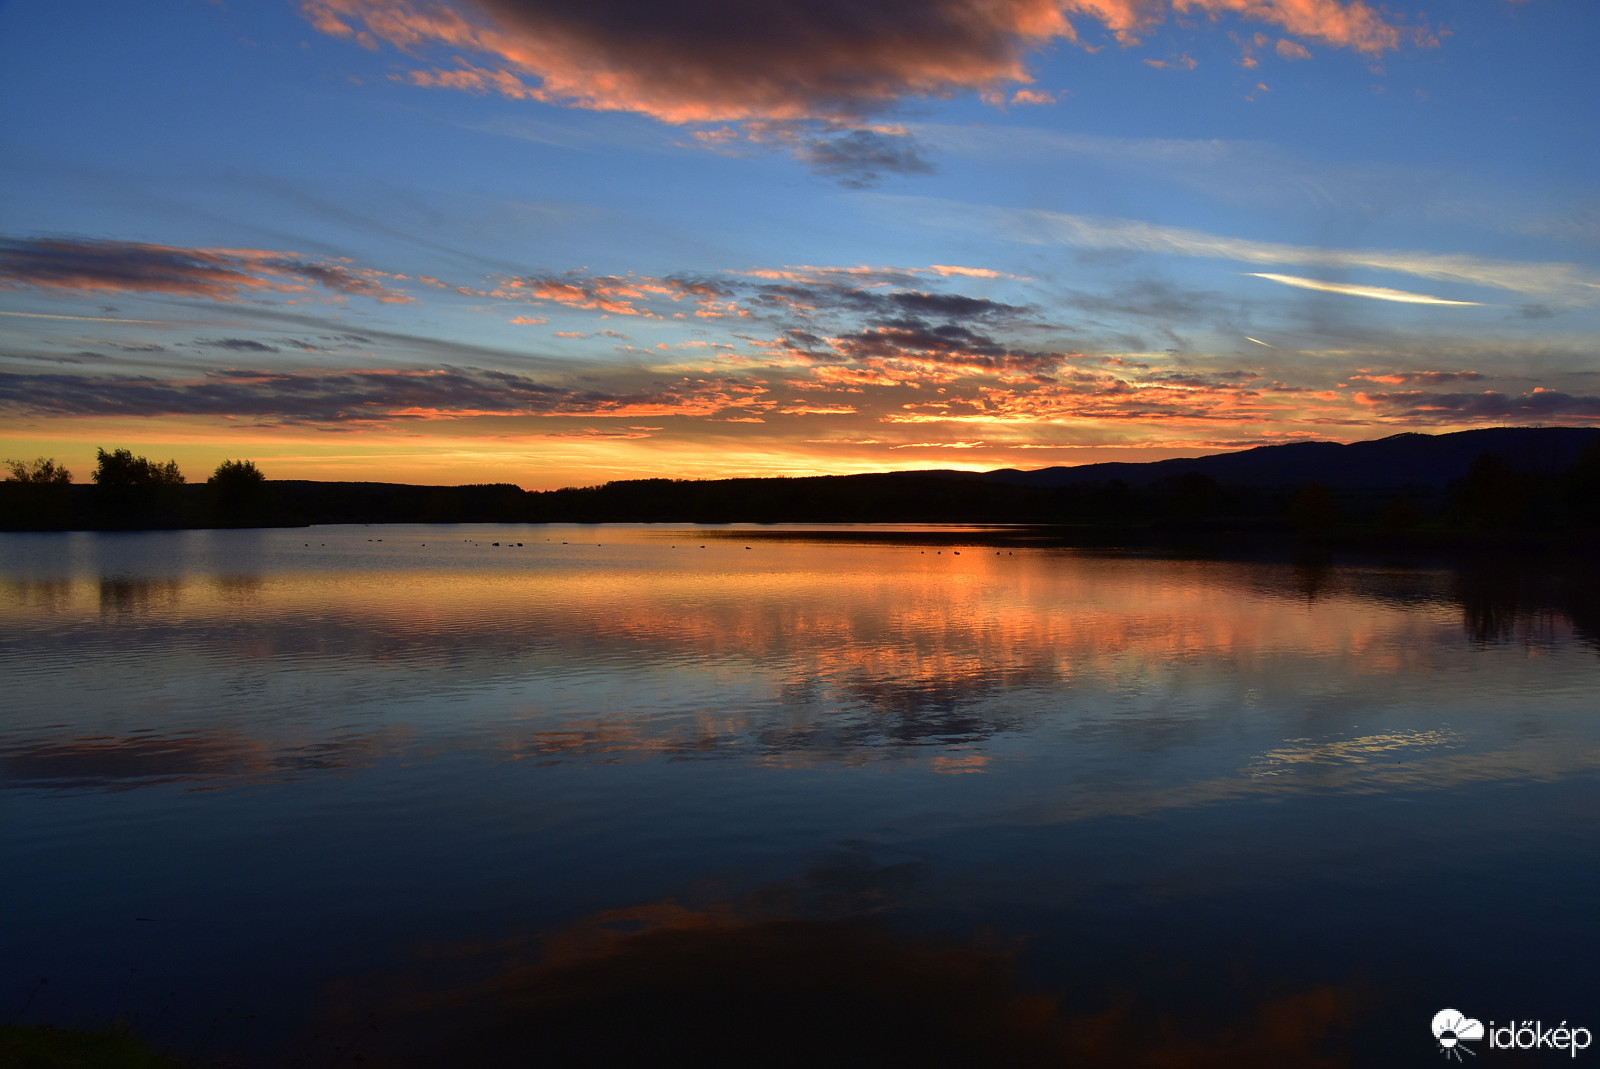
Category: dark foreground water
[401,796]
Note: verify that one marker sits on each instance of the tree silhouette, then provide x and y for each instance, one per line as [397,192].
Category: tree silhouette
[238,494]
[135,492]
[42,472]
[37,496]
[121,468]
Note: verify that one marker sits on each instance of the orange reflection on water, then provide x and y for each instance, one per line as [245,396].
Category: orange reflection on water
[875,611]
[649,644]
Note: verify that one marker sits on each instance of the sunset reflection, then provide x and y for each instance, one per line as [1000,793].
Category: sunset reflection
[428,796]
[797,648]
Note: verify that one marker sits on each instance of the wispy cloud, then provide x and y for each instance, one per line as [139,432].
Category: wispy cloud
[79,319]
[1558,280]
[855,158]
[1349,290]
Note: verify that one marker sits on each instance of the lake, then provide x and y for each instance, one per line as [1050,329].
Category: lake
[471,794]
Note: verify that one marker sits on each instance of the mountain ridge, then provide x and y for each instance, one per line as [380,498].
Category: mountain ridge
[1408,459]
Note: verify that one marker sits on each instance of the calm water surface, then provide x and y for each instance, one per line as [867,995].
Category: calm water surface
[313,796]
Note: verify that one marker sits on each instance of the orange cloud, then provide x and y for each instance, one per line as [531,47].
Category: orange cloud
[616,294]
[817,410]
[783,59]
[475,80]
[1352,25]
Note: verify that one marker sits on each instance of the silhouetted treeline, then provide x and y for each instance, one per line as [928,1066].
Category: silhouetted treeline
[1496,503]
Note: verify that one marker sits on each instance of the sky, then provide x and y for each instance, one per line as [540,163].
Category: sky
[556,244]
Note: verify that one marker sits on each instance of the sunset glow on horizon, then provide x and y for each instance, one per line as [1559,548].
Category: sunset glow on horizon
[470,241]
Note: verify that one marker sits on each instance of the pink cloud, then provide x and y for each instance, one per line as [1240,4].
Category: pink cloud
[1032,96]
[968,272]
[614,294]
[475,80]
[1353,25]
[1425,378]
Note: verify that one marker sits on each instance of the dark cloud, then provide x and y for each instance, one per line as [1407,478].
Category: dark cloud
[950,305]
[702,61]
[89,266]
[914,342]
[335,397]
[860,158]
[238,345]
[339,279]
[808,74]
[1452,407]
[124,267]
[804,339]
[82,357]
[822,298]
[805,293]
[1225,380]
[1423,378]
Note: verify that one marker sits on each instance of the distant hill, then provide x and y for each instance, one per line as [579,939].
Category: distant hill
[1399,461]
[1537,487]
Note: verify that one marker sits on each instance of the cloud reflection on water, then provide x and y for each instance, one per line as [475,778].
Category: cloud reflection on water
[1219,679]
[803,972]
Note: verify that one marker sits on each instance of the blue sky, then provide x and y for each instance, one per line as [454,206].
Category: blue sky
[511,240]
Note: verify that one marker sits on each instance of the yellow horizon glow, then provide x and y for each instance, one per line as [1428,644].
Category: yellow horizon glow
[543,463]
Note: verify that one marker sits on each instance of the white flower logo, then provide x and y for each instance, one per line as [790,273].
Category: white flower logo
[1450,1027]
